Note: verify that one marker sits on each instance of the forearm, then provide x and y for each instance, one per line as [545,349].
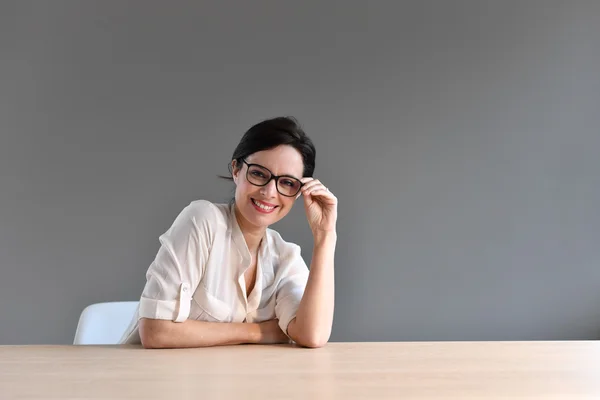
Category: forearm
[314,318]
[192,333]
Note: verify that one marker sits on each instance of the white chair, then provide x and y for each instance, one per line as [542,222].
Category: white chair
[104,323]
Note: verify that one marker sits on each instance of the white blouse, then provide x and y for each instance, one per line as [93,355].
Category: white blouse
[198,273]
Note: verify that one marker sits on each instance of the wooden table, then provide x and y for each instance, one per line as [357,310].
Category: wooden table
[416,370]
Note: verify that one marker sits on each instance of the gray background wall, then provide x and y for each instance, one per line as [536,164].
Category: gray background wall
[461,138]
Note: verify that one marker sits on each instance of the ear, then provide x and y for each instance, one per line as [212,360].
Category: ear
[235,171]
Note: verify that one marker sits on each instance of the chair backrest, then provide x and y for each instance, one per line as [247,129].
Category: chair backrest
[104,323]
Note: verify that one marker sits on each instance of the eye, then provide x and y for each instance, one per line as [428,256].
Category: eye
[289,182]
[257,173]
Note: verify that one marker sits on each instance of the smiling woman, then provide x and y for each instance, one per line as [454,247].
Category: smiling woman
[222,276]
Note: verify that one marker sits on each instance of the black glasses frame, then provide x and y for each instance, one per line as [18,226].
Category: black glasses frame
[273,177]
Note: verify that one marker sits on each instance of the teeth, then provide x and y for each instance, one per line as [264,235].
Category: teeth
[262,205]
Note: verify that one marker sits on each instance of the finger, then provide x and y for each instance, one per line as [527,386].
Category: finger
[311,184]
[309,181]
[322,196]
[320,191]
[314,187]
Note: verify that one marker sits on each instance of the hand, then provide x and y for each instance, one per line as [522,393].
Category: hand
[320,206]
[271,333]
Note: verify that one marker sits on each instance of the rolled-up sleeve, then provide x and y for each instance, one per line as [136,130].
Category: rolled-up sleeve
[294,276]
[178,266]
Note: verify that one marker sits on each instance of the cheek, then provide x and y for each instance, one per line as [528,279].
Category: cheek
[242,186]
[287,202]
[244,191]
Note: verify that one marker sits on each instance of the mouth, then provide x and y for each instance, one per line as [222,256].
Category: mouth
[263,207]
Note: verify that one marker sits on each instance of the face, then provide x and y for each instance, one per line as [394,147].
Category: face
[261,206]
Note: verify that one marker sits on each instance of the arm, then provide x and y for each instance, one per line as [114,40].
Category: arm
[160,334]
[312,325]
[172,278]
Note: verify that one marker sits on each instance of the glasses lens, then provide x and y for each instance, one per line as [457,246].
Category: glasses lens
[288,186]
[258,176]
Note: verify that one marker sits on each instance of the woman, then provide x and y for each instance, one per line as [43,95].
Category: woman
[222,277]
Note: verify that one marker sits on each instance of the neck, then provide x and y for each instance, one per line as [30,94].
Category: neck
[252,234]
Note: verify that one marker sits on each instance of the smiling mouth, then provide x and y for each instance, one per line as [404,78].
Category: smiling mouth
[262,206]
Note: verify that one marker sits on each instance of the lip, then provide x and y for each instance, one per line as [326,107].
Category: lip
[265,203]
[257,208]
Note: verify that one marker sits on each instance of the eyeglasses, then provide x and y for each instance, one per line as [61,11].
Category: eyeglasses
[261,176]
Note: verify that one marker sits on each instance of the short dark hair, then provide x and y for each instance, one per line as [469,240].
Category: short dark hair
[274,132]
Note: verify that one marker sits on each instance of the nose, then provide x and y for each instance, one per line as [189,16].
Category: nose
[270,189]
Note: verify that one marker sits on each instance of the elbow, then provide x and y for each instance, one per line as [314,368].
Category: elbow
[312,337]
[313,344]
[151,334]
[314,340]
[151,342]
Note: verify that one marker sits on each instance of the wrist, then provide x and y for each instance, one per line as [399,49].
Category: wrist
[324,238]
[253,333]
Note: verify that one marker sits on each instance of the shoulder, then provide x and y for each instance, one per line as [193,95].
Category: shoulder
[206,209]
[204,213]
